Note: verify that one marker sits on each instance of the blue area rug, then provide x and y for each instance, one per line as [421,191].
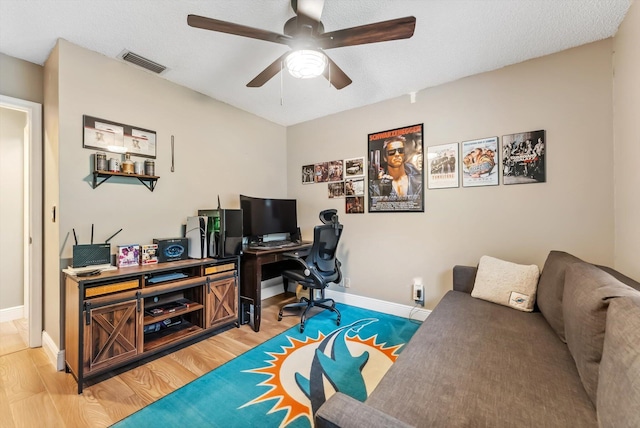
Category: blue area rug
[283,381]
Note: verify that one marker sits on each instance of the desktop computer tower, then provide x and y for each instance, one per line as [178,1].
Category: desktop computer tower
[224,232]
[196,234]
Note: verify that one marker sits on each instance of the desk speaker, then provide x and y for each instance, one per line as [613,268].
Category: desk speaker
[91,255]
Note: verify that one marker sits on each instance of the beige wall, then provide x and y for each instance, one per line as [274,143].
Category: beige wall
[568,94]
[626,131]
[219,150]
[21,79]
[12,147]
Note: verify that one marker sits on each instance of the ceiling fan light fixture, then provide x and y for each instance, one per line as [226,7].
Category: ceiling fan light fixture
[306,64]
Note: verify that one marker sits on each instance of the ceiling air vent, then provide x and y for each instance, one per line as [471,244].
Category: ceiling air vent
[143,62]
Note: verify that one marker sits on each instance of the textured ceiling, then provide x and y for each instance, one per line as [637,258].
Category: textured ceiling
[453,39]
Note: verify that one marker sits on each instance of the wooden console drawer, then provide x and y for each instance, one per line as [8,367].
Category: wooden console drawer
[100,290]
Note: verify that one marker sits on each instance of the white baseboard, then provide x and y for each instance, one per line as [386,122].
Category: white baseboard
[397,309]
[56,356]
[12,314]
[273,288]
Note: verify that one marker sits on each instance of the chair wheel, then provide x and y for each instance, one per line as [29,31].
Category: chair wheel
[279,317]
[301,327]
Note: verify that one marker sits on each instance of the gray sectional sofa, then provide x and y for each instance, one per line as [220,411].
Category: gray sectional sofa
[573,362]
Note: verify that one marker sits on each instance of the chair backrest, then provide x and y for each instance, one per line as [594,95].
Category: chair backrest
[322,255]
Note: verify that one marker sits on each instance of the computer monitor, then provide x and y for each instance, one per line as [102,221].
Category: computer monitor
[261,216]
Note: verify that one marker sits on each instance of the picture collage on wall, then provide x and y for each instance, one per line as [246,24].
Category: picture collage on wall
[344,178]
[476,163]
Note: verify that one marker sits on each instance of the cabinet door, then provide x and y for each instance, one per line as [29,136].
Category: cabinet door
[110,337]
[222,301]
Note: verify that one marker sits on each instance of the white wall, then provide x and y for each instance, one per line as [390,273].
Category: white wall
[626,131]
[219,150]
[568,94]
[12,146]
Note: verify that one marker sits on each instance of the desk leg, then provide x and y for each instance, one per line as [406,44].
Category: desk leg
[250,287]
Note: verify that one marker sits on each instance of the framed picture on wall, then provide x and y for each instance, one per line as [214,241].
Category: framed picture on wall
[354,205]
[109,136]
[480,162]
[336,190]
[354,186]
[442,166]
[354,167]
[395,170]
[307,174]
[523,158]
[335,170]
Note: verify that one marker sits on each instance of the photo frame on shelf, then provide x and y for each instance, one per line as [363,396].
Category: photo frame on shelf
[480,162]
[114,137]
[442,166]
[396,177]
[523,157]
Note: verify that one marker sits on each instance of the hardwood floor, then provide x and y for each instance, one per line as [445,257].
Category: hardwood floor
[34,394]
[14,336]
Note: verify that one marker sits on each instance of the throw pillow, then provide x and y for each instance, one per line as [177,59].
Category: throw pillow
[550,289]
[588,291]
[619,374]
[506,283]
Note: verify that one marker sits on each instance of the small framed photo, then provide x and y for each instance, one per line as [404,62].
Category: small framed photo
[336,190]
[354,187]
[354,167]
[480,162]
[128,255]
[335,170]
[354,205]
[307,174]
[523,158]
[321,172]
[442,166]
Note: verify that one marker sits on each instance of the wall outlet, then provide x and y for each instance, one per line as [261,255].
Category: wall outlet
[347,282]
[418,293]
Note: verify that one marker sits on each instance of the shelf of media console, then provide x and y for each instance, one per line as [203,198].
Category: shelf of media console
[148,180]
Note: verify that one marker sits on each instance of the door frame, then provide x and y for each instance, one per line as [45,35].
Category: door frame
[33,226]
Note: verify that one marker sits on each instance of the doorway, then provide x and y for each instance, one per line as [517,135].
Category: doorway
[21,219]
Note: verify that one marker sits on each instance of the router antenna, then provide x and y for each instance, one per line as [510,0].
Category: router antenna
[91,233]
[109,238]
[218,202]
[74,236]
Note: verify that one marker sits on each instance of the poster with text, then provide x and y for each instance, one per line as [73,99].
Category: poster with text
[523,158]
[396,178]
[442,164]
[480,162]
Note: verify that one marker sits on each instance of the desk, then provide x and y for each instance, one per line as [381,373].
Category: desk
[257,265]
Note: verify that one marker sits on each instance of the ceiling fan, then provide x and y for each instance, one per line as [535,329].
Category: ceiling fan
[304,34]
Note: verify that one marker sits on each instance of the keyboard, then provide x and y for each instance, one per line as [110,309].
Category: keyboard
[273,244]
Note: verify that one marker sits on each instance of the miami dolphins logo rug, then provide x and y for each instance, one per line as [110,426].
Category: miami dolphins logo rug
[284,381]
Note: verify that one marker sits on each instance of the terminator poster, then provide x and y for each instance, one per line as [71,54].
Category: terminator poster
[395,170]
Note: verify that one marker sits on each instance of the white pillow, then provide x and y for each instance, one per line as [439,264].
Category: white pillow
[506,283]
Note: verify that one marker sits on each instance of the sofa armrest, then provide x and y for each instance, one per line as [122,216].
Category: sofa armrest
[463,278]
[342,411]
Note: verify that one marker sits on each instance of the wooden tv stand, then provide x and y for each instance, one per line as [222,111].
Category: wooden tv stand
[109,320]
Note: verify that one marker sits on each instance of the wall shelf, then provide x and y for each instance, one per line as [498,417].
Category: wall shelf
[148,180]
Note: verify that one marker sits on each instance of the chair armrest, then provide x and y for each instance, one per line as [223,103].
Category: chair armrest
[463,278]
[345,412]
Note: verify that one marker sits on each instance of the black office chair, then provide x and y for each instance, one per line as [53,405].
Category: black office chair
[318,268]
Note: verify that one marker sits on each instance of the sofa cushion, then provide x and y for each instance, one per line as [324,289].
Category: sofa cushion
[506,283]
[619,376]
[475,363]
[550,289]
[587,293]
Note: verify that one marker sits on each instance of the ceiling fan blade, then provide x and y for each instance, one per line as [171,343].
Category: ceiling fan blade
[205,23]
[394,29]
[335,75]
[309,9]
[266,74]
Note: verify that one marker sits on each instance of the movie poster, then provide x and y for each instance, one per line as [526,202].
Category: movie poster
[395,170]
[523,158]
[480,162]
[442,166]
